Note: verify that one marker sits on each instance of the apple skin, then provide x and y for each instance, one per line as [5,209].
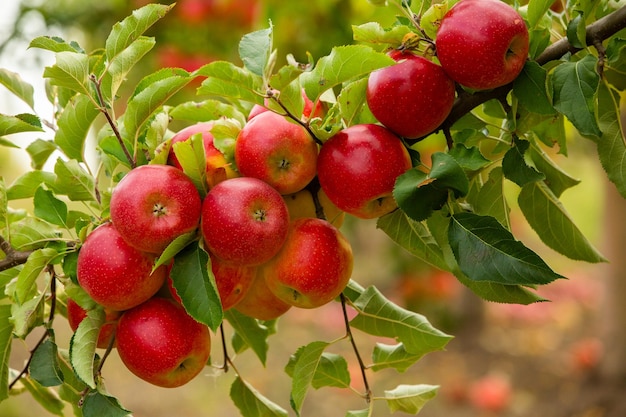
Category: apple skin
[244,221]
[412,97]
[301,205]
[358,167]
[114,274]
[153,205]
[217,168]
[313,267]
[482,44]
[232,281]
[259,302]
[76,314]
[279,152]
[161,344]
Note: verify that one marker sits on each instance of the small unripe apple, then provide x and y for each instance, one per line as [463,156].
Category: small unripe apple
[244,221]
[412,97]
[76,314]
[482,44]
[358,167]
[161,344]
[302,204]
[217,168]
[115,274]
[277,151]
[153,205]
[314,265]
[259,302]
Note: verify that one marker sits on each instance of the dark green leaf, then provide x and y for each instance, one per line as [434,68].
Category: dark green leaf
[252,403]
[490,199]
[44,366]
[250,332]
[576,32]
[556,179]
[514,165]
[410,398]
[6,336]
[486,251]
[194,283]
[615,64]
[530,89]
[99,405]
[470,159]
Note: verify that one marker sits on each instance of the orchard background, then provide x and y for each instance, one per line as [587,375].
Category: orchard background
[566,357]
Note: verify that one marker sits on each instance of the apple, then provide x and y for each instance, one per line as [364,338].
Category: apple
[491,393]
[161,344]
[244,221]
[217,168]
[302,204]
[115,274]
[76,314]
[358,167]
[482,44]
[259,302]
[412,97]
[232,281]
[277,151]
[153,205]
[314,265]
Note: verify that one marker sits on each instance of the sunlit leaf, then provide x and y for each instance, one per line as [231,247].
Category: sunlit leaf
[54,44]
[19,123]
[251,403]
[536,10]
[393,356]
[27,277]
[410,398]
[192,158]
[255,49]
[49,208]
[374,34]
[490,199]
[28,183]
[70,71]
[39,151]
[206,110]
[556,178]
[74,181]
[74,124]
[18,87]
[226,80]
[83,346]
[6,336]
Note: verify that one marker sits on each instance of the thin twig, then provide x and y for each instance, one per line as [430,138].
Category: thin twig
[368,391]
[224,349]
[295,118]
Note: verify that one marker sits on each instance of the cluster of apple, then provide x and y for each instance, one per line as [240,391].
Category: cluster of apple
[270,219]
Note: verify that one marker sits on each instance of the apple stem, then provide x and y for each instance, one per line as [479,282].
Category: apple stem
[294,118]
[224,349]
[368,391]
[314,188]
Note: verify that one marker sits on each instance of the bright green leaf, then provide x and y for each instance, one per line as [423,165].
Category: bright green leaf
[352,101]
[410,398]
[54,44]
[16,85]
[83,346]
[121,64]
[6,336]
[50,208]
[537,10]
[255,49]
[31,233]
[226,80]
[205,111]
[251,403]
[39,151]
[44,366]
[74,181]
[191,156]
[177,245]
[28,183]
[486,251]
[374,34]
[4,211]
[19,123]
[304,366]
[74,124]
[393,356]
[70,71]
[26,280]
[359,413]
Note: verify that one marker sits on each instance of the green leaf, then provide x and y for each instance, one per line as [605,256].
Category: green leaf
[352,102]
[16,85]
[46,397]
[486,251]
[615,64]
[375,35]
[255,50]
[556,179]
[26,280]
[120,65]
[612,143]
[470,159]
[72,389]
[194,282]
[515,167]
[97,404]
[191,155]
[392,356]
[410,398]
[530,89]
[537,10]
[226,80]
[6,336]
[44,366]
[380,317]
[331,370]
[83,346]
[576,31]
[32,233]
[252,403]
[19,123]
[574,89]
[250,332]
[419,194]
[412,236]
[303,367]
[28,183]
[50,208]
[54,44]
[70,71]
[359,413]
[547,216]
[345,63]
[4,211]
[174,248]
[152,92]
[490,199]
[39,151]
[206,110]
[74,124]
[73,181]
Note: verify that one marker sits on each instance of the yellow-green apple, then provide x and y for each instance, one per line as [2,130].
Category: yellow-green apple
[76,314]
[217,168]
[259,302]
[115,274]
[232,281]
[302,204]
[244,221]
[358,167]
[277,151]
[314,265]
[482,44]
[412,97]
[153,205]
[161,344]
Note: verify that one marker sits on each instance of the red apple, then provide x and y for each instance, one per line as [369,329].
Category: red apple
[313,267]
[412,97]
[116,275]
[232,281]
[491,393]
[277,151]
[358,168]
[153,205]
[161,344]
[244,221]
[259,302]
[217,168]
[76,314]
[482,44]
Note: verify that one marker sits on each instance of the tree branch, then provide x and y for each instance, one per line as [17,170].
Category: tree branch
[12,257]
